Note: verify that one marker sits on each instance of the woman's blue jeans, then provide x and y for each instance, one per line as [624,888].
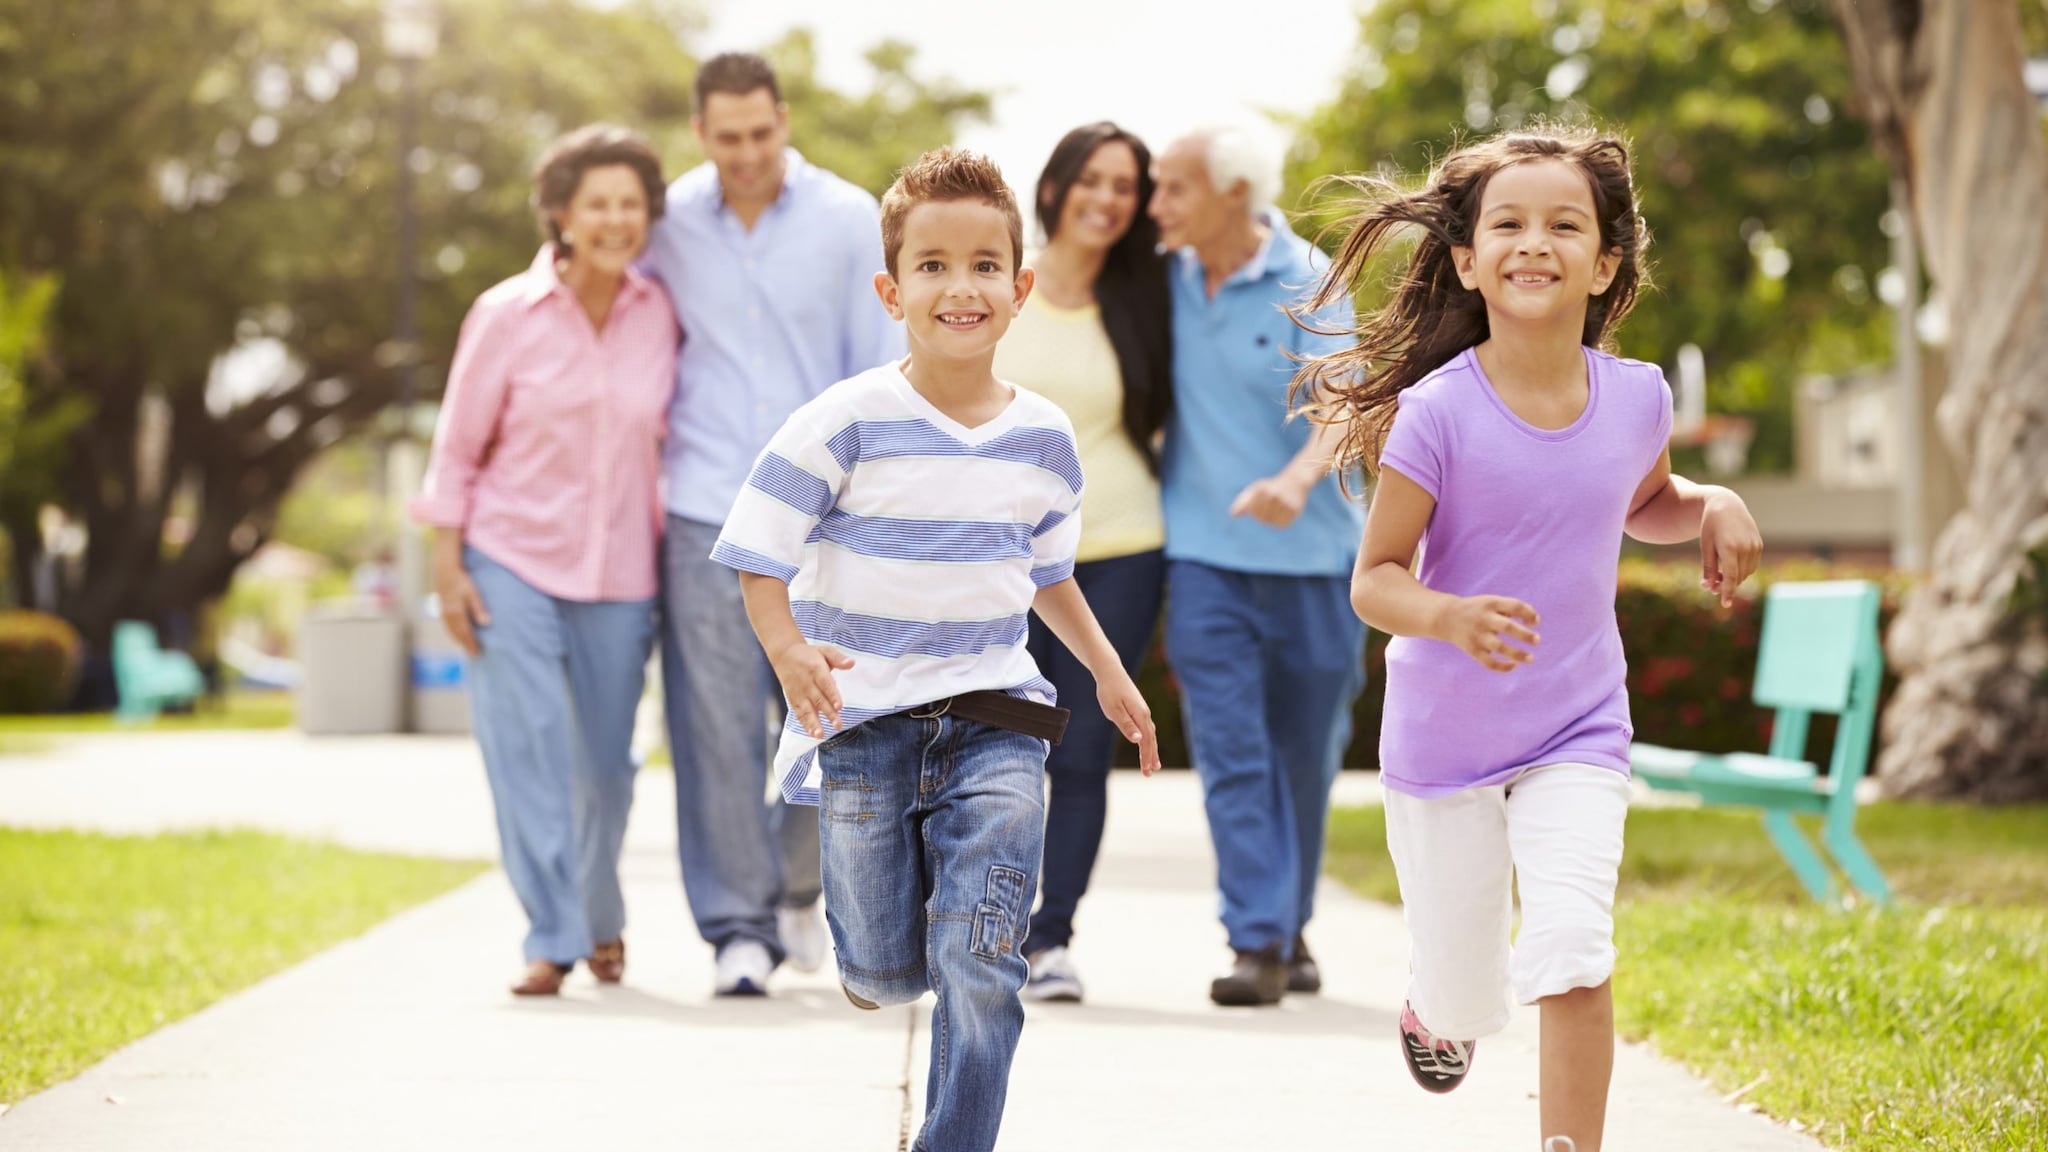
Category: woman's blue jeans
[552,698]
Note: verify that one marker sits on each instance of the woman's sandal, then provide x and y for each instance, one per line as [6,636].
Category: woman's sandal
[608,961]
[543,978]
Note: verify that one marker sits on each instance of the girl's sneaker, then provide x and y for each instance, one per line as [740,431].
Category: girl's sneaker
[1559,1144]
[1438,1065]
[1053,979]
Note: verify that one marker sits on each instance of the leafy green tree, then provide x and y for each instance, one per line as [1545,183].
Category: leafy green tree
[214,176]
[23,306]
[1762,194]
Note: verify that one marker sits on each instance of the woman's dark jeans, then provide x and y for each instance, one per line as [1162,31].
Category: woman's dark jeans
[1124,592]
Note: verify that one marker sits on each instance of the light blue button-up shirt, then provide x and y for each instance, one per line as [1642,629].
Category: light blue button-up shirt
[1229,424]
[770,318]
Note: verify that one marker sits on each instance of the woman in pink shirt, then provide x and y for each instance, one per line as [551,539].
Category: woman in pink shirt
[541,489]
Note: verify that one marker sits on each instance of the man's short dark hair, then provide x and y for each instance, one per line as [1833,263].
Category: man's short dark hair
[735,74]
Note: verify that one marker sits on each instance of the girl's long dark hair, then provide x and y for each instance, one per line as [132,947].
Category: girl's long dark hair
[1432,316]
[1132,289]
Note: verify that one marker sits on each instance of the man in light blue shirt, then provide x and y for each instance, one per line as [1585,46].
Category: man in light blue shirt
[1259,546]
[771,264]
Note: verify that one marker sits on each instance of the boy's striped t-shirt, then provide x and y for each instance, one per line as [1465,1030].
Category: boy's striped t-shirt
[911,543]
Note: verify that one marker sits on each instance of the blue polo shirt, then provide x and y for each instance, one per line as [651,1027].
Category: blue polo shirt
[1229,425]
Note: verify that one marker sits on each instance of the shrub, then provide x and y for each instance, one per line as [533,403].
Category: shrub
[1689,672]
[39,658]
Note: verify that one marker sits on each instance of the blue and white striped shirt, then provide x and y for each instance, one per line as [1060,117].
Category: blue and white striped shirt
[913,544]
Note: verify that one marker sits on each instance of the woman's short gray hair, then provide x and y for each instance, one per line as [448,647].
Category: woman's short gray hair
[1247,152]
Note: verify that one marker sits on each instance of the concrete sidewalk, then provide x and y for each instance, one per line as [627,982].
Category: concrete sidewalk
[404,1037]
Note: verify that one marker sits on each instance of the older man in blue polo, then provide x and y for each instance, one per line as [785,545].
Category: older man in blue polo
[1259,545]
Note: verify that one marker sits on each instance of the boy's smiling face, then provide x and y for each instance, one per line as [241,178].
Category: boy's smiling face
[957,284]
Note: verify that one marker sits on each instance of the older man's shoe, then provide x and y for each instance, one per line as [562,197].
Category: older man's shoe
[1256,979]
[1302,974]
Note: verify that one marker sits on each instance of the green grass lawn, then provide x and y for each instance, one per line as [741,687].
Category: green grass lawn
[105,939]
[1916,1028]
[21,735]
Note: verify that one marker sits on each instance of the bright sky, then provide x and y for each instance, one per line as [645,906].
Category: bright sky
[1156,67]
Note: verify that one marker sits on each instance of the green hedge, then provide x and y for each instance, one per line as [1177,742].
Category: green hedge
[39,658]
[1690,665]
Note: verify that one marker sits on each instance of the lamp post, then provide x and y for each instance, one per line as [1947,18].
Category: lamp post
[411,34]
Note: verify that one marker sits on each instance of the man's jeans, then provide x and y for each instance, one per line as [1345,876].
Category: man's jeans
[1269,667]
[742,855]
[552,698]
[1124,593]
[932,830]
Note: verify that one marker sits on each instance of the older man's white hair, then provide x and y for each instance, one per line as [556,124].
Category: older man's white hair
[1247,152]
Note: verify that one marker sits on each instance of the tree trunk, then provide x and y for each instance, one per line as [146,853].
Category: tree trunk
[229,471]
[1940,82]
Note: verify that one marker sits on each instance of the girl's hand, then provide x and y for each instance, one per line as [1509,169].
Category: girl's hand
[805,672]
[462,606]
[1126,708]
[1484,626]
[1730,545]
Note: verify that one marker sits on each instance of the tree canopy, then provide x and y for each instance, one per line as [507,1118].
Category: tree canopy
[208,177]
[1764,198]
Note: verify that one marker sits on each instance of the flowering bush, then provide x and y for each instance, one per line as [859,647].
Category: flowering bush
[39,658]
[1689,673]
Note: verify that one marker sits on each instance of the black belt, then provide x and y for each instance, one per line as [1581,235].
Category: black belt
[999,710]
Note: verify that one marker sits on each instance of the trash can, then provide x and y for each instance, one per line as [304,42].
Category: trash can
[352,671]
[440,680]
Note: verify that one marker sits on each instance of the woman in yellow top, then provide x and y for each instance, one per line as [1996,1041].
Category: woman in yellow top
[1097,340]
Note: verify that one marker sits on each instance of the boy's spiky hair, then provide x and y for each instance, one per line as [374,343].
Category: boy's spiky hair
[948,174]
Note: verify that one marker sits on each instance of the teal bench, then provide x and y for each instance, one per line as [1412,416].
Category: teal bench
[1819,652]
[148,677]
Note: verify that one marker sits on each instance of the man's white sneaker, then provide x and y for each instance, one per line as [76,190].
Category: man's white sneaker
[1053,979]
[805,939]
[743,968]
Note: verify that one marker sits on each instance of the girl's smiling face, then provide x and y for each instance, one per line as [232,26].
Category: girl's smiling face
[1536,254]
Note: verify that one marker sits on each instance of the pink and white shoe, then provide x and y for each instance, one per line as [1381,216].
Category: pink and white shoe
[1438,1065]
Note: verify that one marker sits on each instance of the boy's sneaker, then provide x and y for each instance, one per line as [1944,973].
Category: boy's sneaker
[1256,979]
[859,1002]
[1438,1065]
[743,968]
[1302,973]
[1053,979]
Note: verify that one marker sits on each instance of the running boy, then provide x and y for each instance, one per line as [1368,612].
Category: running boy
[1514,454]
[891,542]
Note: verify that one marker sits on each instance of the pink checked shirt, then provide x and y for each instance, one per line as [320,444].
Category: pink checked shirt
[548,450]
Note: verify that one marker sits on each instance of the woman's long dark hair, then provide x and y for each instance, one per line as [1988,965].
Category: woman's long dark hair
[1432,316]
[1132,289]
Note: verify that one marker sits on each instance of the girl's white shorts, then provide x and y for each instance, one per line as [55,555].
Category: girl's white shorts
[1552,831]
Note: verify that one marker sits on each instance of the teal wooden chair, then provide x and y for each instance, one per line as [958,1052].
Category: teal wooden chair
[1819,652]
[146,676]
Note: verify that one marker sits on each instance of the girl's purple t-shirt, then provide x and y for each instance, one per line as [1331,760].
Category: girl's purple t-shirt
[1537,515]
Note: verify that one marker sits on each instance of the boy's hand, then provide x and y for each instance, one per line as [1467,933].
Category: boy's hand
[1483,627]
[805,671]
[1730,545]
[1126,708]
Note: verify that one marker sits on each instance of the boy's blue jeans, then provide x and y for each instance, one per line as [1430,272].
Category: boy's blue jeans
[931,832]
